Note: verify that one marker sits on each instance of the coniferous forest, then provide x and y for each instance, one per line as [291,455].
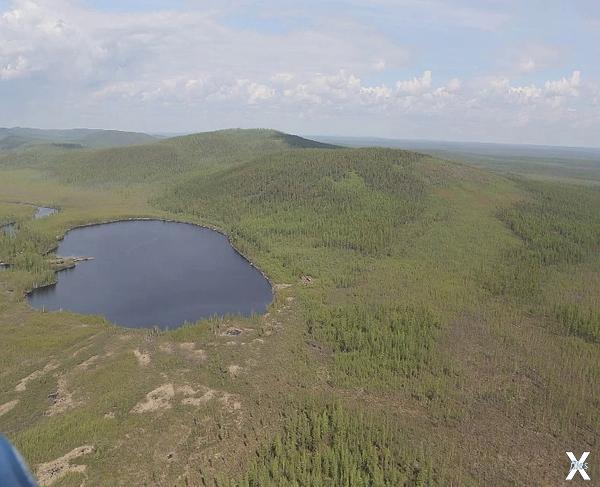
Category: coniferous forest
[431,321]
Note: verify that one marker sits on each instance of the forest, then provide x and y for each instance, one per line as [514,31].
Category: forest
[426,312]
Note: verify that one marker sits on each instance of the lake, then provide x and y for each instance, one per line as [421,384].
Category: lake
[147,273]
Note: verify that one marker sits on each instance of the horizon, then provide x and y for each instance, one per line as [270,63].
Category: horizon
[493,72]
[313,135]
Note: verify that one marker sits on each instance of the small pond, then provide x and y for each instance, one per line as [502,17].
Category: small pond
[10,229]
[147,273]
[43,212]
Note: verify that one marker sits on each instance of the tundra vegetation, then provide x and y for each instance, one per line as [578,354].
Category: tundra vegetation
[433,323]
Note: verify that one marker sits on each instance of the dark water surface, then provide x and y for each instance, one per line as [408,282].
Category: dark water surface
[154,273]
[9,229]
[43,212]
[40,212]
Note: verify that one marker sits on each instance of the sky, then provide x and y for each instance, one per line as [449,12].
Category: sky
[468,70]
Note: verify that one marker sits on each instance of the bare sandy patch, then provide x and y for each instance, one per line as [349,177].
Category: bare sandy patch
[186,390]
[192,351]
[164,396]
[87,363]
[234,370]
[9,406]
[79,350]
[207,395]
[63,399]
[22,385]
[231,402]
[50,472]
[158,399]
[142,358]
[166,347]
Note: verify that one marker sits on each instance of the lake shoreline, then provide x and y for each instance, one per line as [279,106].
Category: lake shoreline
[69,263]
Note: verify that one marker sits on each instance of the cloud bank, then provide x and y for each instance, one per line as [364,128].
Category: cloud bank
[212,65]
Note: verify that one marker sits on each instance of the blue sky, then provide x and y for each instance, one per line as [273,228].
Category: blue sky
[487,70]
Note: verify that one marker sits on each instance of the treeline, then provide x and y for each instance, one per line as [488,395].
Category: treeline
[332,446]
[24,252]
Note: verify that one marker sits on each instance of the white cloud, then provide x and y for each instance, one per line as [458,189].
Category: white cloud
[565,86]
[549,90]
[282,78]
[524,94]
[416,85]
[13,67]
[190,69]
[454,85]
[251,92]
[62,40]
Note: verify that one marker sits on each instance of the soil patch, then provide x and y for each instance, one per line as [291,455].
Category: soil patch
[50,472]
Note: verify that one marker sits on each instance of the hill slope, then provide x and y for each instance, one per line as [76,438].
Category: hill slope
[426,313]
[424,279]
[18,137]
[161,160]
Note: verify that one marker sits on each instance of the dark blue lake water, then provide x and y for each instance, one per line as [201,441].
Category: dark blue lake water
[154,273]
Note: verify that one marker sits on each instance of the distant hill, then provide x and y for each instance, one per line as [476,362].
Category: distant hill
[158,160]
[10,142]
[19,138]
[574,164]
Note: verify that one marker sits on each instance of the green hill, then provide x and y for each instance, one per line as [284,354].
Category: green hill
[18,137]
[161,160]
[426,313]
[352,199]
[427,280]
